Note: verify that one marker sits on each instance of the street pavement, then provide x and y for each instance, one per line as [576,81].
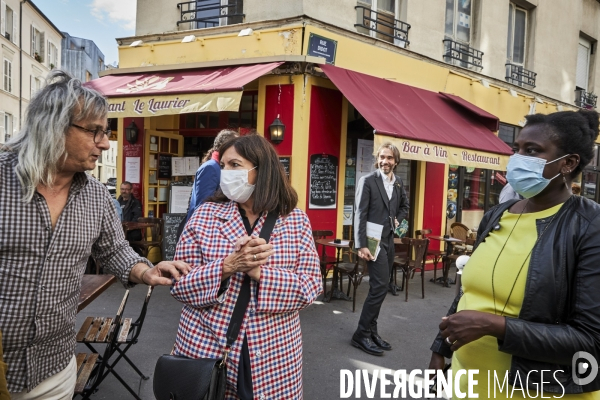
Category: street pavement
[327,329]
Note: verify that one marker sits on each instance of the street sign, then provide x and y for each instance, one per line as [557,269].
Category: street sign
[319,46]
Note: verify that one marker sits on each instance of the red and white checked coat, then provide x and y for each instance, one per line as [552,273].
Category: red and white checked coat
[289,282]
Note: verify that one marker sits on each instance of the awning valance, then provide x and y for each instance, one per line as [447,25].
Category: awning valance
[178,92]
[424,125]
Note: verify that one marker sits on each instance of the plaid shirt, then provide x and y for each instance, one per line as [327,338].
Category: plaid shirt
[41,271]
[289,282]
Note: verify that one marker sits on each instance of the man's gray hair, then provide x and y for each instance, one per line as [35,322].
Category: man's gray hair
[41,143]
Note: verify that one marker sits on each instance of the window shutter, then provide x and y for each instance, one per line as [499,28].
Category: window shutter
[42,45]
[31,86]
[15,25]
[9,76]
[2,18]
[14,126]
[583,63]
[32,35]
[2,127]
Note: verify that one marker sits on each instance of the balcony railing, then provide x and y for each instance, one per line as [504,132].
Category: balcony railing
[585,99]
[462,55]
[382,26]
[517,75]
[210,13]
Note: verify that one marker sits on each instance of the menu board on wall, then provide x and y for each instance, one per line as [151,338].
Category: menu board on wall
[170,238]
[323,181]
[286,161]
[164,166]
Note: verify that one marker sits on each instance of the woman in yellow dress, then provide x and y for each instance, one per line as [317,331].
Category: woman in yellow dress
[528,314]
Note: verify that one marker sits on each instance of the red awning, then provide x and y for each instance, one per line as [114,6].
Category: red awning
[406,112]
[178,91]
[225,79]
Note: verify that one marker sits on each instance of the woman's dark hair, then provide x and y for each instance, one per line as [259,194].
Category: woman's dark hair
[273,190]
[574,132]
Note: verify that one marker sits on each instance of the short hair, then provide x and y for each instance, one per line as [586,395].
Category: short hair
[574,132]
[127,183]
[389,146]
[273,190]
[221,138]
[40,146]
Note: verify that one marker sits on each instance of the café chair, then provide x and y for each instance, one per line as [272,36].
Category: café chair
[416,259]
[325,262]
[151,236]
[91,367]
[436,254]
[355,269]
[128,336]
[462,232]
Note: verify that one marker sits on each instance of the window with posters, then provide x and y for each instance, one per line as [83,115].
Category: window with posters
[471,193]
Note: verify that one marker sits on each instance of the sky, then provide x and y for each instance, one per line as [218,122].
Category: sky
[99,20]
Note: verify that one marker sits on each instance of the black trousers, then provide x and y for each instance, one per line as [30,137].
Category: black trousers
[379,279]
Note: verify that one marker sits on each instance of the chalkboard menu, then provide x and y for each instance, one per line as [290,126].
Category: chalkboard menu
[286,162]
[164,166]
[170,226]
[323,181]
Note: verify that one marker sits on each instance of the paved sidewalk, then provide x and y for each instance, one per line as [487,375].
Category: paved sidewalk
[326,327]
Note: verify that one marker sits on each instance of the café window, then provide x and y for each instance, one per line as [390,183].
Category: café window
[471,193]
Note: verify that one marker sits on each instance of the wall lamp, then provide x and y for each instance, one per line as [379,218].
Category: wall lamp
[131,133]
[276,129]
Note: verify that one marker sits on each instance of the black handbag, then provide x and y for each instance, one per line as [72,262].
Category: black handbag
[183,378]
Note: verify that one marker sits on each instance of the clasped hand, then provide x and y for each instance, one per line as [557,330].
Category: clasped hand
[250,253]
[467,326]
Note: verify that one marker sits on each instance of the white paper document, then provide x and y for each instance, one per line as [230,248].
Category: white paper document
[132,169]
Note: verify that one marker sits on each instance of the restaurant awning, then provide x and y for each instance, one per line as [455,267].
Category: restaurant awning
[424,125]
[178,92]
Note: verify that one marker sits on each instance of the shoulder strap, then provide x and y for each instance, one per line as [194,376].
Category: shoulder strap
[244,297]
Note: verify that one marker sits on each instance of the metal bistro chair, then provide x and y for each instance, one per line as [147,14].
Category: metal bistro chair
[325,262]
[151,237]
[127,337]
[436,254]
[91,366]
[417,256]
[355,269]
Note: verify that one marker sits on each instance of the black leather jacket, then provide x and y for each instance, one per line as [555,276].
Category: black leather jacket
[560,314]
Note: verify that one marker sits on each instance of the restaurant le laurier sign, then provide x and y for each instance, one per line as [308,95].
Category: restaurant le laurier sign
[431,152]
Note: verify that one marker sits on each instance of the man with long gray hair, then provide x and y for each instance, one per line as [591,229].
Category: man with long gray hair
[52,219]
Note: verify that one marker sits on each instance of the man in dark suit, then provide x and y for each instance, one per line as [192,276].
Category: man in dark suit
[380,199]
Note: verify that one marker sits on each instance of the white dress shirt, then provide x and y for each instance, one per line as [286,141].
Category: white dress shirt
[388,184]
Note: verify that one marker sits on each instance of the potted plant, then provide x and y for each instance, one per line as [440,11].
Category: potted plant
[51,66]
[37,57]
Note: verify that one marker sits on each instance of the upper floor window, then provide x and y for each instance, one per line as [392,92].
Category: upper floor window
[210,13]
[517,31]
[583,64]
[7,75]
[52,55]
[88,76]
[38,42]
[6,126]
[458,20]
[380,19]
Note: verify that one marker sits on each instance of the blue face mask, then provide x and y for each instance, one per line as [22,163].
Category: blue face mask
[526,174]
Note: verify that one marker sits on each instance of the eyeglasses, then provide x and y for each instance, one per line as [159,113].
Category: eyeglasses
[97,132]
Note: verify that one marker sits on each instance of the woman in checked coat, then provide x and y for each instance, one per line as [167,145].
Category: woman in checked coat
[221,242]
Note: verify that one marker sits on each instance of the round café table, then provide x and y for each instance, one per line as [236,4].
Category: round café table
[448,243]
[335,292]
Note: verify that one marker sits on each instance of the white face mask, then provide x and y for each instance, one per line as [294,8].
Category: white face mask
[234,184]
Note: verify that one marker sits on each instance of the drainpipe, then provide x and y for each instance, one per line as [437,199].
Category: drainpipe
[20,62]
